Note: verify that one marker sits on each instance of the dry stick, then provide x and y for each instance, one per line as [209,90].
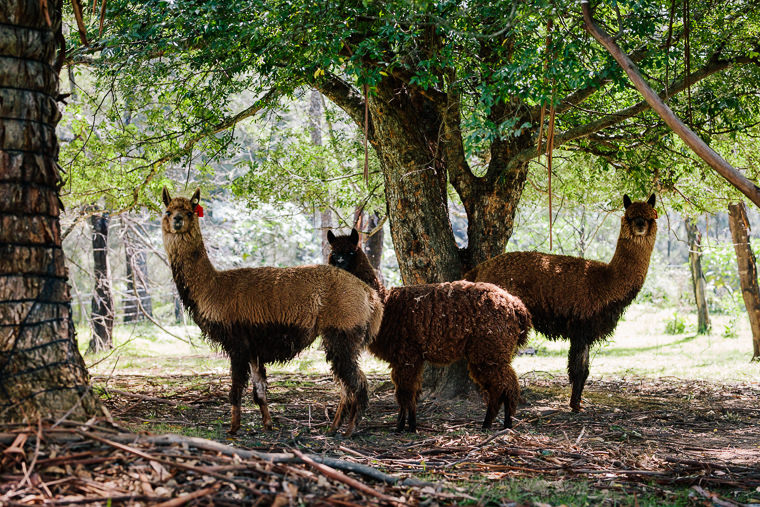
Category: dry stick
[141,396]
[341,477]
[167,462]
[713,159]
[182,500]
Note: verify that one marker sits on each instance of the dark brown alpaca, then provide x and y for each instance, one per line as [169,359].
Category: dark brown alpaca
[442,323]
[261,315]
[579,299]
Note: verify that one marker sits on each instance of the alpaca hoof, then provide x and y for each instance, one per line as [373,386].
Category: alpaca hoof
[233,430]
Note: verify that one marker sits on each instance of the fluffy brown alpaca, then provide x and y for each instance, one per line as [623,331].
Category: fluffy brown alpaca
[442,323]
[578,299]
[262,315]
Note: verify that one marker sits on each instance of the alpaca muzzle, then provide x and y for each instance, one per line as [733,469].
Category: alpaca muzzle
[177,223]
[639,226]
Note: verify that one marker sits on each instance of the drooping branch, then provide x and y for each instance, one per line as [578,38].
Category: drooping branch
[720,165]
[346,97]
[223,125]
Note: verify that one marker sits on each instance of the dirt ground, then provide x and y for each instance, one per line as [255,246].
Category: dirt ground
[664,441]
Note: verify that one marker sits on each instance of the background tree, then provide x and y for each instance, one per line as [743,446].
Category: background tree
[694,237]
[42,373]
[102,305]
[739,224]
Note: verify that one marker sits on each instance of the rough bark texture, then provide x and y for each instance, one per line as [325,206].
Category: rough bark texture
[745,259]
[137,301]
[42,373]
[697,275]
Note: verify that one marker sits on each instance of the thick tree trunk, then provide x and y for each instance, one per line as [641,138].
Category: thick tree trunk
[42,374]
[697,275]
[137,301]
[745,259]
[102,298]
[372,245]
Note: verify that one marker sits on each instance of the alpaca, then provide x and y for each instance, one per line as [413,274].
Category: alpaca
[578,299]
[262,315]
[442,323]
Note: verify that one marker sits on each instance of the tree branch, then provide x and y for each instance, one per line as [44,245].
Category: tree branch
[694,142]
[346,97]
[225,124]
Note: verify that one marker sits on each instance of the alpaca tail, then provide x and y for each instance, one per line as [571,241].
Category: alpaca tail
[525,323]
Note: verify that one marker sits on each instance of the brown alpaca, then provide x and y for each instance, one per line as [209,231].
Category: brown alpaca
[262,315]
[578,299]
[442,323]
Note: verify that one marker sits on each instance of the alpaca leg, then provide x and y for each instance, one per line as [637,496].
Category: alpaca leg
[240,370]
[342,350]
[407,380]
[577,367]
[511,396]
[259,381]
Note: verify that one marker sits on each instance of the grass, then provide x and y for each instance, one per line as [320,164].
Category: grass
[640,347]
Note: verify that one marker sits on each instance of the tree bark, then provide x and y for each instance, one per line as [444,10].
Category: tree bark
[697,275]
[745,259]
[137,301]
[372,244]
[101,316]
[42,374]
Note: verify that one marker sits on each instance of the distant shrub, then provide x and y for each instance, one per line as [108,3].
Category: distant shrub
[677,325]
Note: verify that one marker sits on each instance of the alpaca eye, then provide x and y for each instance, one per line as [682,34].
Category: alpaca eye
[168,213]
[189,215]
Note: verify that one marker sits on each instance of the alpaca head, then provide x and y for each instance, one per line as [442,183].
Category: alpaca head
[640,219]
[181,214]
[345,250]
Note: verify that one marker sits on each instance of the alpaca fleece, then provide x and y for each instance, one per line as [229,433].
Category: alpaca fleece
[262,315]
[577,299]
[442,323]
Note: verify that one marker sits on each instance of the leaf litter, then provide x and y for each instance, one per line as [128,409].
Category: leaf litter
[635,435]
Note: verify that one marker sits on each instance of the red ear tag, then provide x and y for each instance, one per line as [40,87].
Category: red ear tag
[199,210]
[655,214]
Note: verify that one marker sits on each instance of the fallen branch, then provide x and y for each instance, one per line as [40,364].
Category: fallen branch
[339,476]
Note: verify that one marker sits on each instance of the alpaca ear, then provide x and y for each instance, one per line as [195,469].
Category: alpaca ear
[166,197]
[354,237]
[651,200]
[196,198]
[626,201]
[330,237]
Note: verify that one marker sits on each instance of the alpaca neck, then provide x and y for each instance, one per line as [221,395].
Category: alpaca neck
[191,267]
[630,263]
[366,273]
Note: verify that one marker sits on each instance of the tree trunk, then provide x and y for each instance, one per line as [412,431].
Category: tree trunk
[697,276]
[372,245]
[102,298]
[137,302]
[745,259]
[42,374]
